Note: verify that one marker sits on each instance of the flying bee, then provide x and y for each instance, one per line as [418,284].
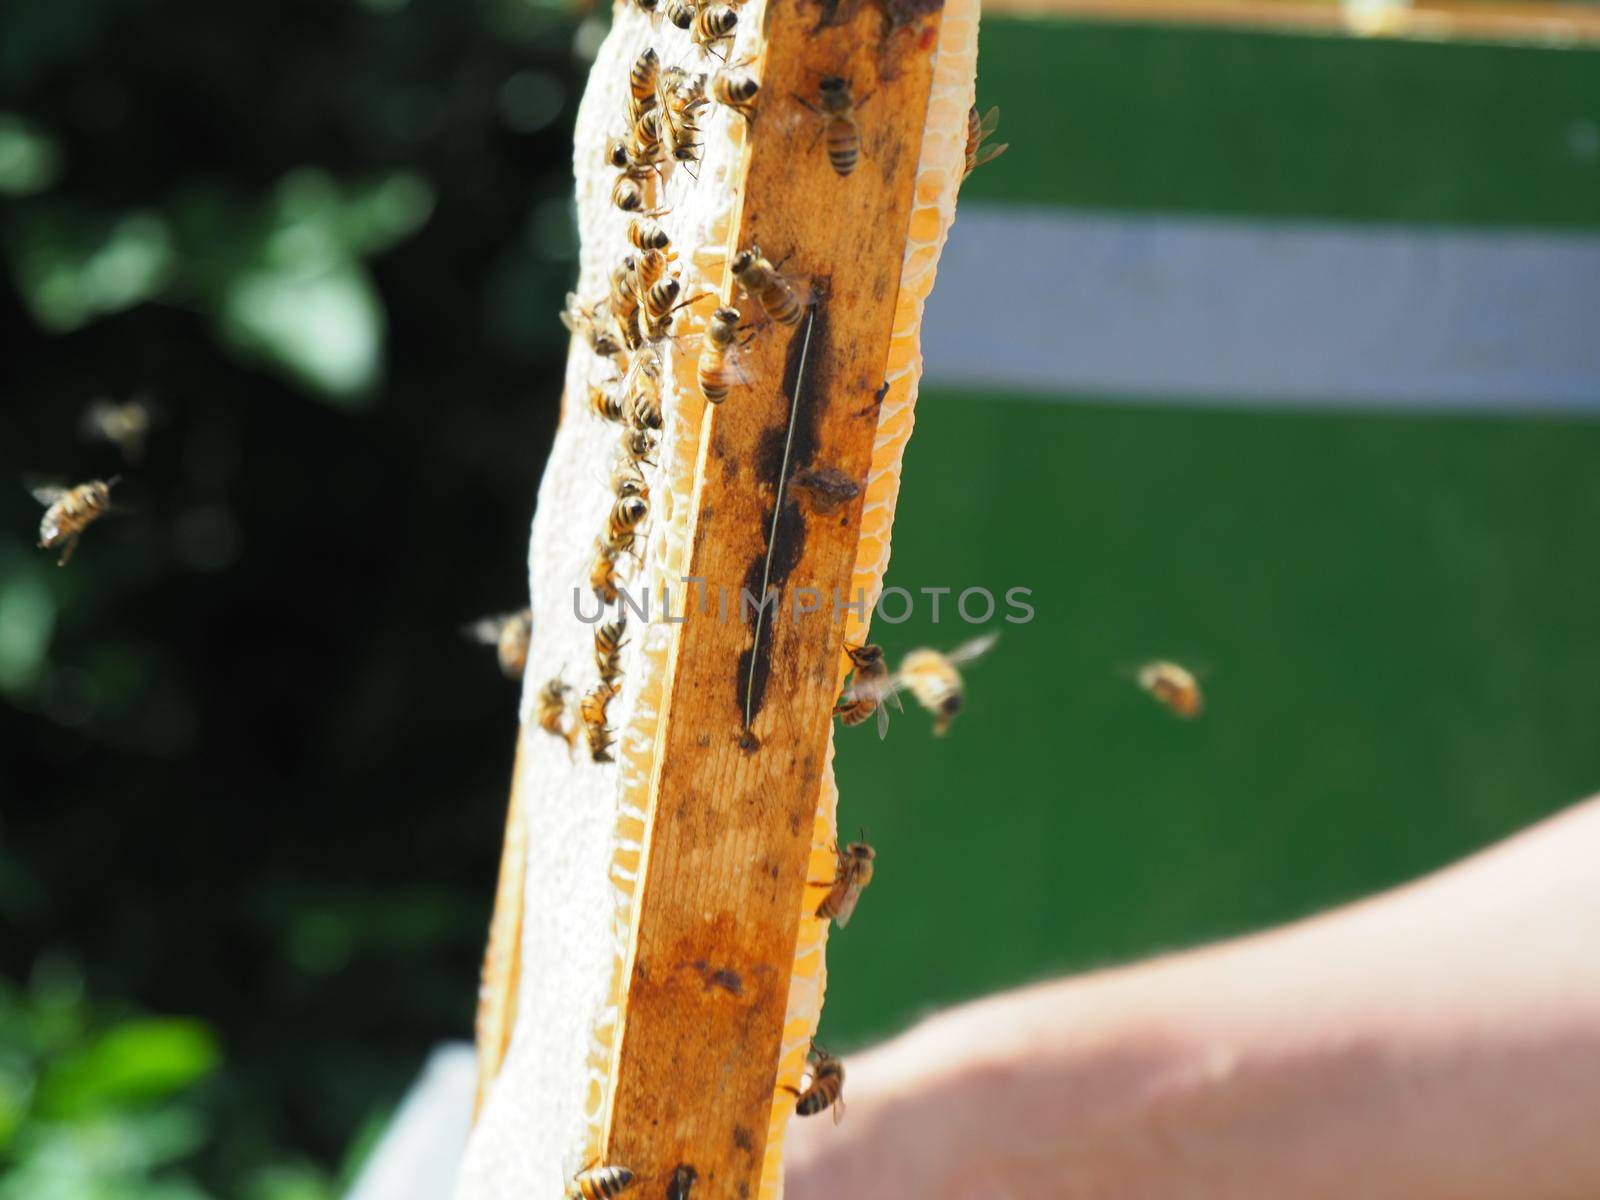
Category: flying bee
[550,711]
[605,402]
[592,708]
[647,235]
[603,574]
[869,691]
[978,132]
[600,1183]
[642,80]
[782,300]
[124,425]
[681,13]
[736,90]
[718,368]
[837,105]
[1173,686]
[933,679]
[608,645]
[849,880]
[69,511]
[509,634]
[713,23]
[587,323]
[682,1182]
[826,1089]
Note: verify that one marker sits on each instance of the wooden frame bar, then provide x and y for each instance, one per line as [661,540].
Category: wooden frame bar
[732,804]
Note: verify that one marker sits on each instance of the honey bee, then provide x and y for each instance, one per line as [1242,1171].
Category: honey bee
[592,708]
[648,271]
[627,514]
[850,879]
[979,131]
[550,711]
[69,511]
[587,323]
[682,101]
[718,369]
[608,645]
[869,691]
[933,679]
[605,403]
[509,634]
[617,153]
[624,301]
[647,235]
[682,1182]
[687,148]
[681,13]
[657,305]
[603,575]
[783,302]
[622,525]
[628,480]
[124,425]
[644,144]
[599,1183]
[685,93]
[837,106]
[736,90]
[713,23]
[637,444]
[1174,687]
[642,79]
[629,192]
[644,393]
[646,410]
[648,6]
[826,1089]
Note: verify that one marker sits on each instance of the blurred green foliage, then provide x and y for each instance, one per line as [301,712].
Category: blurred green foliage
[95,1107]
[248,771]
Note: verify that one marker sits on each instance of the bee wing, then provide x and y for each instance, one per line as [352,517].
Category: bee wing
[572,316]
[990,122]
[883,720]
[847,905]
[989,154]
[96,418]
[486,630]
[802,290]
[737,371]
[968,651]
[48,494]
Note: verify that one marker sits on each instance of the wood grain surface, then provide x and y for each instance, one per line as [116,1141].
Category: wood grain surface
[732,805]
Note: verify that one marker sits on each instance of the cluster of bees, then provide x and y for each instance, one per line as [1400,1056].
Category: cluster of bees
[68,511]
[631,326]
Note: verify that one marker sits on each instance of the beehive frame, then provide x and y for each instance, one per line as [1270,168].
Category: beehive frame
[726,802]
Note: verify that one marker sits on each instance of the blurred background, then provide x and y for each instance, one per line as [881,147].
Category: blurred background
[1269,351]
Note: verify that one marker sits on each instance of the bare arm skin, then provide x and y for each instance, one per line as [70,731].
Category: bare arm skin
[1440,1040]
